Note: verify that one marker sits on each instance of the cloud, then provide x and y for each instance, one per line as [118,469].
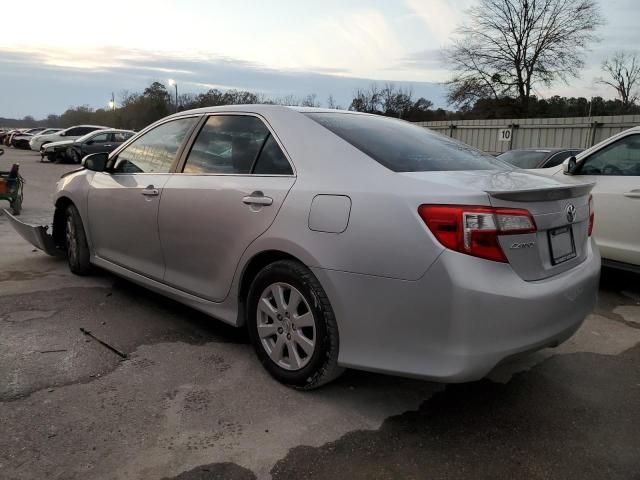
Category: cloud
[440,16]
[42,82]
[430,58]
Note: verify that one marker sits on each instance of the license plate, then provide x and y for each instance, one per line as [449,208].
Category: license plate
[562,246]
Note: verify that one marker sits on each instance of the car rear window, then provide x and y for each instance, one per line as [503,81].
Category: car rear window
[524,158]
[403,147]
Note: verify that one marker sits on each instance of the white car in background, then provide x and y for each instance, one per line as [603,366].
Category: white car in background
[70,133]
[614,164]
[47,131]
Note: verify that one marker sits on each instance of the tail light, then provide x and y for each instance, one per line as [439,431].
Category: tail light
[474,230]
[591,216]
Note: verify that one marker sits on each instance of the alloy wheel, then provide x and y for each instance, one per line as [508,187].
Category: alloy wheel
[286,326]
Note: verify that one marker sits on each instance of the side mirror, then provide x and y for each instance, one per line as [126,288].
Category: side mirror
[569,166]
[1,151]
[96,162]
[90,142]
[62,134]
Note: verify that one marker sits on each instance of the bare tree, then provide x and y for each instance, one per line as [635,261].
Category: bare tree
[397,102]
[331,103]
[310,101]
[624,74]
[509,46]
[369,100]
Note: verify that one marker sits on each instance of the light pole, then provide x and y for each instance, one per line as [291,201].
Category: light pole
[112,106]
[173,83]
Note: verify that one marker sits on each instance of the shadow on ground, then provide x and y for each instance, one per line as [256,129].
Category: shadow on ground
[574,416]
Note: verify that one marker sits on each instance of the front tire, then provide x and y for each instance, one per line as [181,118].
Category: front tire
[73,155]
[76,242]
[292,326]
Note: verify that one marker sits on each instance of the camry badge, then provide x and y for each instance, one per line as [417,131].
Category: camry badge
[571,213]
[519,245]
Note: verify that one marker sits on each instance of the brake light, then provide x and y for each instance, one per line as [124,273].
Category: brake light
[474,230]
[591,215]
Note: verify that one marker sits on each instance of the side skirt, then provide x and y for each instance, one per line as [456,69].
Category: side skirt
[221,311]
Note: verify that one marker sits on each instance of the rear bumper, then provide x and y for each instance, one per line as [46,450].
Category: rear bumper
[38,236]
[460,319]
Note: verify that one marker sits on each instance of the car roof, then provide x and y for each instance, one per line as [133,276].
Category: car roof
[92,126]
[261,108]
[112,130]
[543,150]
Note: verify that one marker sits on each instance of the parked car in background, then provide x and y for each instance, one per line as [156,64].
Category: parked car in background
[339,239]
[10,134]
[93,142]
[101,141]
[46,131]
[538,157]
[21,140]
[70,133]
[614,164]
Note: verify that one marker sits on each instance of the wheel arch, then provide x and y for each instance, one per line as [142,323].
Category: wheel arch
[59,220]
[249,272]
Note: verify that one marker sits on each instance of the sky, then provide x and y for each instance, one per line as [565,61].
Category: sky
[77,52]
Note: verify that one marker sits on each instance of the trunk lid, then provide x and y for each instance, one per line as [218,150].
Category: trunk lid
[559,206]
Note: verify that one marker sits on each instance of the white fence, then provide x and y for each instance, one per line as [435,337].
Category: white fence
[497,136]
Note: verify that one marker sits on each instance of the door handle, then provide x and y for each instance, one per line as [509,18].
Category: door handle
[150,191]
[257,198]
[633,194]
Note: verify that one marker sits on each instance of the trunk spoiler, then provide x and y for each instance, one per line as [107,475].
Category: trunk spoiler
[38,236]
[559,192]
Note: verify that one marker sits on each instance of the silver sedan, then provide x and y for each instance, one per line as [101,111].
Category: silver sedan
[338,239]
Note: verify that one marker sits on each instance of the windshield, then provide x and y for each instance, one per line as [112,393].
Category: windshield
[403,147]
[524,158]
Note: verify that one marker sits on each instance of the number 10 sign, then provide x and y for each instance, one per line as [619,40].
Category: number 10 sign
[504,135]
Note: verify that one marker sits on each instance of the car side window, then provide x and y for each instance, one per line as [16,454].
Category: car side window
[621,158]
[155,151]
[558,158]
[227,144]
[122,136]
[74,132]
[100,138]
[271,160]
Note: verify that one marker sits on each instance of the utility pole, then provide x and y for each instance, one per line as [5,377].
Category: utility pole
[112,105]
[175,84]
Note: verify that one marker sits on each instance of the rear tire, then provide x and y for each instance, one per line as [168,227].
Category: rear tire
[299,321]
[76,244]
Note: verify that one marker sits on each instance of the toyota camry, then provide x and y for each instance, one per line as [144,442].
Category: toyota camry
[338,239]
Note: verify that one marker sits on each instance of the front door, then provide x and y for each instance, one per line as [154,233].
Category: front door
[123,202]
[97,143]
[234,181]
[616,197]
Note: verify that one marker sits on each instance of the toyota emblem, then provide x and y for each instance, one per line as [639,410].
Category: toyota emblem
[571,213]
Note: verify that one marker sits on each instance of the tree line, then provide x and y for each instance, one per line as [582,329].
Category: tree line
[139,109]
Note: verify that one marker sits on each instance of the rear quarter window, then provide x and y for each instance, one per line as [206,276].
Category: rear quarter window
[403,147]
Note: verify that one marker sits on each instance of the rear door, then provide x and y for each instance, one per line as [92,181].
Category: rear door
[616,170]
[228,192]
[123,202]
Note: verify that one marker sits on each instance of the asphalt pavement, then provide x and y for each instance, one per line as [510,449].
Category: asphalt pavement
[190,400]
